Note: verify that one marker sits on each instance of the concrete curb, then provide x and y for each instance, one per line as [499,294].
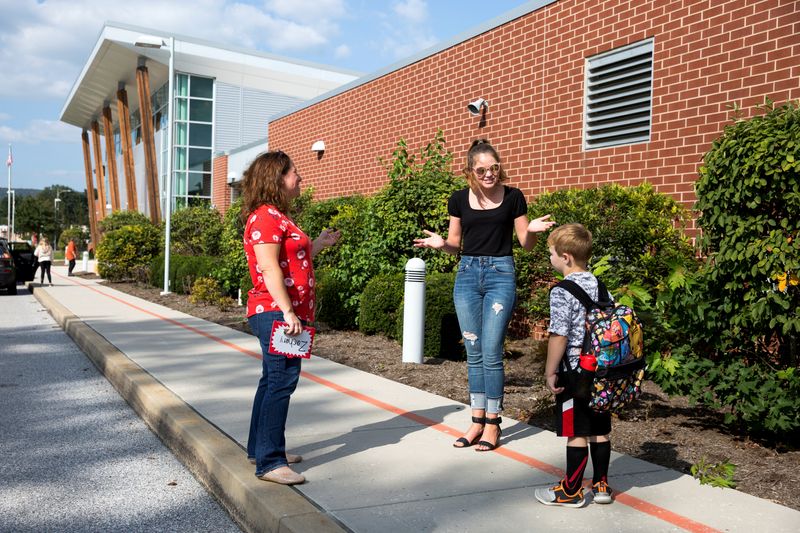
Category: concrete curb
[213,458]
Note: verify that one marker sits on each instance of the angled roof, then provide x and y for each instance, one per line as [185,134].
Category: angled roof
[115,57]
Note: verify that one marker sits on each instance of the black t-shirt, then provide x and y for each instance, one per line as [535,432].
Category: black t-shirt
[487,231]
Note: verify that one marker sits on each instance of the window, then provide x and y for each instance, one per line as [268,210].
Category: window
[193,140]
[619,94]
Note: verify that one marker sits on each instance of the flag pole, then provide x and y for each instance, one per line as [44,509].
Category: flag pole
[9,162]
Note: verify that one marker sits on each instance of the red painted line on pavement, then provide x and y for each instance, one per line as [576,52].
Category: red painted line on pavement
[621,497]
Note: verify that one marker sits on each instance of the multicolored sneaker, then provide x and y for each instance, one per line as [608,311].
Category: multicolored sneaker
[558,496]
[602,492]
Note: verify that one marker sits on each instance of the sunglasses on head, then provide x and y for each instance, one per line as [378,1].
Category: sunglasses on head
[481,171]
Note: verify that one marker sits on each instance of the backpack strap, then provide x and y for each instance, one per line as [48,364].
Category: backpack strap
[603,297]
[578,292]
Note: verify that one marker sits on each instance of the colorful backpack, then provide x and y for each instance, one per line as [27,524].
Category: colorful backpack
[613,350]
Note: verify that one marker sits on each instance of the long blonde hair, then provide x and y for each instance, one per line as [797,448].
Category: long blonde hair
[263,183]
[481,146]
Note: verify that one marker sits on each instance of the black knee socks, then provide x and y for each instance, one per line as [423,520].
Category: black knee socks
[577,456]
[601,456]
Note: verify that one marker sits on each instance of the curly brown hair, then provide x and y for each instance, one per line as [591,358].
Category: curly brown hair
[481,146]
[263,183]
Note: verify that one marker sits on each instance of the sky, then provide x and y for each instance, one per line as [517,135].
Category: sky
[44,44]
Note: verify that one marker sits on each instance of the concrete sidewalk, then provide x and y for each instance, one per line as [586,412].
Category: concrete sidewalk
[377,454]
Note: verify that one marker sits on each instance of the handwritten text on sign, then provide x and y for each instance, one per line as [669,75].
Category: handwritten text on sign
[297,346]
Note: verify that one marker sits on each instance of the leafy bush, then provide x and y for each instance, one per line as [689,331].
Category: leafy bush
[636,229]
[380,301]
[245,284]
[734,323]
[331,309]
[125,253]
[183,271]
[118,219]
[442,334]
[378,232]
[80,236]
[196,231]
[231,269]
[206,291]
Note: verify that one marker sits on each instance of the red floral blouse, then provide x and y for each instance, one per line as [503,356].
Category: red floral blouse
[268,225]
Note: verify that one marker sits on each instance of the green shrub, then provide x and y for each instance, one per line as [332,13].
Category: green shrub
[206,291]
[378,232]
[183,271]
[331,309]
[734,324]
[442,334]
[245,284]
[196,231]
[118,219]
[231,269]
[80,236]
[125,253]
[380,302]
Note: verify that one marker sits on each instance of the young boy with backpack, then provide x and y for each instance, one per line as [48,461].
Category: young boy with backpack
[570,248]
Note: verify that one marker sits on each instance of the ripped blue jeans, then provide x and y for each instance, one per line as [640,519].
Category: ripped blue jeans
[484,297]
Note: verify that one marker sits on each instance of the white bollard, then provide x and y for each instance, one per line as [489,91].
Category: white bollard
[86,261]
[66,261]
[414,311]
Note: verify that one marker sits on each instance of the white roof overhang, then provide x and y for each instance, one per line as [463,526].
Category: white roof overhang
[115,58]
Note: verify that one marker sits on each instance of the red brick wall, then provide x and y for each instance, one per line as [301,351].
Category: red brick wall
[708,54]
[220,192]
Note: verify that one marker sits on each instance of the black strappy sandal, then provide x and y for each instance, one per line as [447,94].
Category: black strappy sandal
[463,440]
[489,446]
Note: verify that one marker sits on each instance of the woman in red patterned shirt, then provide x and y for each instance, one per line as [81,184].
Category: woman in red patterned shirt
[279,257]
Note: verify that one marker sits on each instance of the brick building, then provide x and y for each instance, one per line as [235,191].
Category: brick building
[580,93]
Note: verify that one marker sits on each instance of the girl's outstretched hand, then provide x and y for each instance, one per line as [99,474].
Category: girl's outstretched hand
[328,237]
[538,225]
[432,240]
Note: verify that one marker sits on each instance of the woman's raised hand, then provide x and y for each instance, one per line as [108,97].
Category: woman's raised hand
[538,225]
[328,237]
[433,240]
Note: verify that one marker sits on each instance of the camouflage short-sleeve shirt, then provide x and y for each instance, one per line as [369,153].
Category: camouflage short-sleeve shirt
[567,314]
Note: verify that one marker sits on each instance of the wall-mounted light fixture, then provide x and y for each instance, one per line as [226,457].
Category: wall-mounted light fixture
[478,106]
[318,146]
[232,178]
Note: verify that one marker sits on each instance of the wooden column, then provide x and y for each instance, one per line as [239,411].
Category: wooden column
[111,159]
[148,140]
[98,167]
[127,148]
[92,205]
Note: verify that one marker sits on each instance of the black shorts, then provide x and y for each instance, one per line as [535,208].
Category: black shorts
[574,418]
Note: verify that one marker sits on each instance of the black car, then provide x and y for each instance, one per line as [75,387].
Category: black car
[25,261]
[8,270]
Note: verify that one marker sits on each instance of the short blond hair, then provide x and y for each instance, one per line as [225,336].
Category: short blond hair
[573,239]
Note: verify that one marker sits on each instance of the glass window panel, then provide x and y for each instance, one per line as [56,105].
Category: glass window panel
[182,85]
[181,132]
[180,202]
[180,158]
[179,183]
[196,184]
[200,159]
[198,201]
[200,110]
[207,184]
[200,135]
[202,87]
[181,109]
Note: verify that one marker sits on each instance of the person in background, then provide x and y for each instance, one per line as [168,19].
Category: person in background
[279,258]
[483,218]
[71,254]
[44,253]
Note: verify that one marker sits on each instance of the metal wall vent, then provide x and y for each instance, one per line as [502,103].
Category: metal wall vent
[619,92]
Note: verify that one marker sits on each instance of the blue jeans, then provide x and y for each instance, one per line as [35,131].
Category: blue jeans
[279,375]
[484,297]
